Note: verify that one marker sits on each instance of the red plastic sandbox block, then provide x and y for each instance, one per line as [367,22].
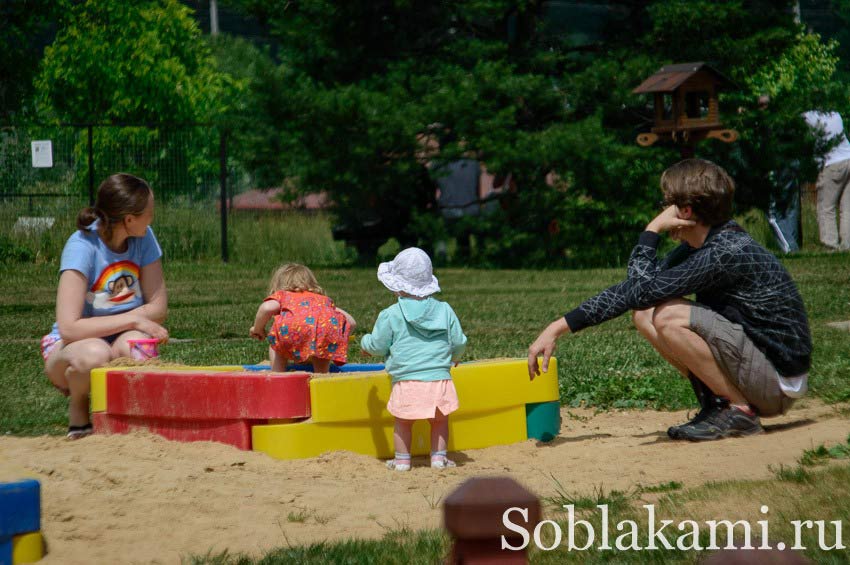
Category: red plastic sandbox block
[199,395]
[231,432]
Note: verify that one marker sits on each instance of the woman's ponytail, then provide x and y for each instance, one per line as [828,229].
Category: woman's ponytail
[119,195]
[88,215]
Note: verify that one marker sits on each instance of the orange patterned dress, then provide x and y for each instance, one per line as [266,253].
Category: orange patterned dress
[309,325]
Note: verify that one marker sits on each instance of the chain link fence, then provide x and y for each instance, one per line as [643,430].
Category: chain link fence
[49,172]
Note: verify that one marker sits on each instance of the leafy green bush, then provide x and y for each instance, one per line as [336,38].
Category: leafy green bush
[137,63]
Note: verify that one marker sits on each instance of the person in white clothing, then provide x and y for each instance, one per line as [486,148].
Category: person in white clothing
[833,194]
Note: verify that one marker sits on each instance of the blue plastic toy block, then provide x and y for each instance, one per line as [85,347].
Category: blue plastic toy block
[6,550]
[347,368]
[20,509]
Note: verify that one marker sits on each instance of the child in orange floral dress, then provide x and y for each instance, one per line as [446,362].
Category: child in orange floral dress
[306,326]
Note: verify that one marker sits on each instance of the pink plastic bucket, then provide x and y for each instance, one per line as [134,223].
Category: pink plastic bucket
[142,349]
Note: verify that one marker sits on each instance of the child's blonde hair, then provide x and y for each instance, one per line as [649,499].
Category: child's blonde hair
[294,277]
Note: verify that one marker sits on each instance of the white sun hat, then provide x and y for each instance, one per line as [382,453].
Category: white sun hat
[409,272]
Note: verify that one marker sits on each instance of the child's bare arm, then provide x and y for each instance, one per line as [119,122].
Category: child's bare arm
[348,318]
[264,313]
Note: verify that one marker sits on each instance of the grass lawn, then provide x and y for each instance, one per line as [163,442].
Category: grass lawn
[212,305]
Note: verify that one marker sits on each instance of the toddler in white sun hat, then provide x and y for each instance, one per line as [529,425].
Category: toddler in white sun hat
[420,337]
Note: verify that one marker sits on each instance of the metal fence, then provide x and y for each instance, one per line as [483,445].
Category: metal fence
[49,172]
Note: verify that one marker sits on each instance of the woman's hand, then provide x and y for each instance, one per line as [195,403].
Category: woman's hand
[151,328]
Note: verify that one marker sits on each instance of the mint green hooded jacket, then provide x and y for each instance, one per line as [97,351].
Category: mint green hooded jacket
[420,339]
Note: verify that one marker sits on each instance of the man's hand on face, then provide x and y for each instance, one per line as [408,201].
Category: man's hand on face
[669,220]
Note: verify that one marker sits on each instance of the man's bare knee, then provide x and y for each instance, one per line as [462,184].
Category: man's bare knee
[671,316]
[642,319]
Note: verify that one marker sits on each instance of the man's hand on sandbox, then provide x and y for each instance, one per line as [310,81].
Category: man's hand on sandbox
[671,219]
[545,345]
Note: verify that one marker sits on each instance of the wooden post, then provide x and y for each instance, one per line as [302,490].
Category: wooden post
[473,516]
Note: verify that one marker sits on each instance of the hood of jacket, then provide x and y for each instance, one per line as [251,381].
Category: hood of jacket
[427,316]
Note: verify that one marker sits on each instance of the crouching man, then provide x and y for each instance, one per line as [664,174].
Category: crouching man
[744,343]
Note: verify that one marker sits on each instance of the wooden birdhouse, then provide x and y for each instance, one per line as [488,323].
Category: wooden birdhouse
[686,108]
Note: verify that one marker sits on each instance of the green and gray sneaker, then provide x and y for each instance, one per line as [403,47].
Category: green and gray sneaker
[724,421]
[707,402]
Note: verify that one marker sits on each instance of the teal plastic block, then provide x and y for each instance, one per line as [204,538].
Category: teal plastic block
[20,508]
[543,420]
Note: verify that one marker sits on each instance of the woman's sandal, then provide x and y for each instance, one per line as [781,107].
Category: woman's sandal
[79,432]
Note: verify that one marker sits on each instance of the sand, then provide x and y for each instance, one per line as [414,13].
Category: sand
[139,498]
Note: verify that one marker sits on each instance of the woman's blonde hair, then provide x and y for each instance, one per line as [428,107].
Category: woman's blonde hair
[294,277]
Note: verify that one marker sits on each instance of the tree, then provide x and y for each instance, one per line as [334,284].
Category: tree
[359,81]
[26,29]
[137,62]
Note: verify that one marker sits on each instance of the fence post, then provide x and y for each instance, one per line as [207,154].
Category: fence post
[222,164]
[91,166]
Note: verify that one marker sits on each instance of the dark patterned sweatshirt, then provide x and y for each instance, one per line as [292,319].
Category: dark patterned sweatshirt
[731,274]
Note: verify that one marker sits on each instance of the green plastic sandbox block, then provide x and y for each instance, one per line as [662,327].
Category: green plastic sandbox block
[543,420]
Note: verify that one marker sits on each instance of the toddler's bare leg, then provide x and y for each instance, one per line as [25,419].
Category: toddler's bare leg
[439,432]
[401,439]
[321,365]
[440,441]
[402,434]
[278,361]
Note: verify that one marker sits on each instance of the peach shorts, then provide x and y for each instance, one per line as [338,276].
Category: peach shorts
[419,400]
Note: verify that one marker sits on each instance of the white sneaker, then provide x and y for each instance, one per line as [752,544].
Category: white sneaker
[393,465]
[442,463]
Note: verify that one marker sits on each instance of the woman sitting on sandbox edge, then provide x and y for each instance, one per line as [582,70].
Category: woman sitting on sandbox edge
[111,290]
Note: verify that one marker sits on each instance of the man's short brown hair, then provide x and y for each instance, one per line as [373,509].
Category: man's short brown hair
[702,185]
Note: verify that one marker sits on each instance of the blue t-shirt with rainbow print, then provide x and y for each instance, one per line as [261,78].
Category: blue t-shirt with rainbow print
[113,278]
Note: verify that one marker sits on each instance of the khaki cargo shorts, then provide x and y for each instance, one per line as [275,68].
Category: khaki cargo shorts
[741,361]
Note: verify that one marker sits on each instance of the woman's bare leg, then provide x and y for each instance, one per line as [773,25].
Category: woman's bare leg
[69,368]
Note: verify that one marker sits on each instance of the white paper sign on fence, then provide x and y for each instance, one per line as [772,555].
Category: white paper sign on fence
[42,154]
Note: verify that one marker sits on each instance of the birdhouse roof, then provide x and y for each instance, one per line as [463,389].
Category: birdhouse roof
[671,77]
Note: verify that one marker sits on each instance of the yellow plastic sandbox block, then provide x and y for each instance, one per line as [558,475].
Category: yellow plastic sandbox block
[27,548]
[97,394]
[487,385]
[374,437]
